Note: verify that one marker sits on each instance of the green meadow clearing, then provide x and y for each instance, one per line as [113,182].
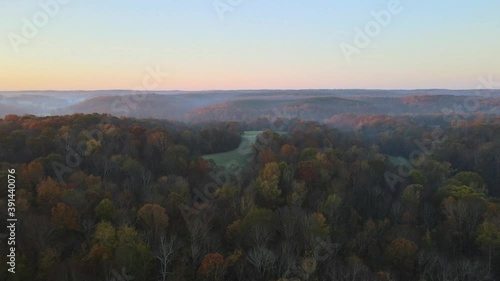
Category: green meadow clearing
[240,156]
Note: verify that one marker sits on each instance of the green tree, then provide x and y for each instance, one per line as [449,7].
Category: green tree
[105,210]
[330,207]
[464,216]
[318,226]
[132,253]
[104,242]
[471,179]
[48,259]
[457,192]
[488,236]
[256,218]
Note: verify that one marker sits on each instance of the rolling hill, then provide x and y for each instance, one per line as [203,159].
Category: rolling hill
[317,105]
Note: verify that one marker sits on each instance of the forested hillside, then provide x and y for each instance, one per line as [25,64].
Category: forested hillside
[385,198]
[249,105]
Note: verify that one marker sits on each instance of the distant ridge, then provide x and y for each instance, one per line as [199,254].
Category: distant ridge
[318,105]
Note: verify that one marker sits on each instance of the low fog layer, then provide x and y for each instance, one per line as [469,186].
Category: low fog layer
[316,105]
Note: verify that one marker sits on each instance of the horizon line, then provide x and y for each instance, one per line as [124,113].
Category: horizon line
[250,89]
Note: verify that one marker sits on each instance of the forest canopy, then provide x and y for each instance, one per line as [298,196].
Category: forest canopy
[376,198]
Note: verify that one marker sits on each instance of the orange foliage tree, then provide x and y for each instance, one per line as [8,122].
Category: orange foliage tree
[213,267]
[65,216]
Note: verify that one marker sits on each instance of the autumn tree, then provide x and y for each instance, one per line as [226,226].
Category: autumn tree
[49,192]
[154,219]
[65,216]
[267,183]
[309,172]
[402,253]
[103,244]
[213,267]
[266,156]
[120,249]
[32,173]
[289,152]
[160,141]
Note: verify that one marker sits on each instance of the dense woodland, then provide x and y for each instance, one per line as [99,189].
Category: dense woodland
[374,198]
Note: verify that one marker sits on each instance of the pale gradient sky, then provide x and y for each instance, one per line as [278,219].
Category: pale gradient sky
[261,44]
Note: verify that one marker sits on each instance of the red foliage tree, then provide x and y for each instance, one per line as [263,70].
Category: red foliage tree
[213,267]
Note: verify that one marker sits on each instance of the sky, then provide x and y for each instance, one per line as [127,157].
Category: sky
[247,44]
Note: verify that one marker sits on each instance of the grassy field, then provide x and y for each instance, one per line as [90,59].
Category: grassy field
[241,155]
